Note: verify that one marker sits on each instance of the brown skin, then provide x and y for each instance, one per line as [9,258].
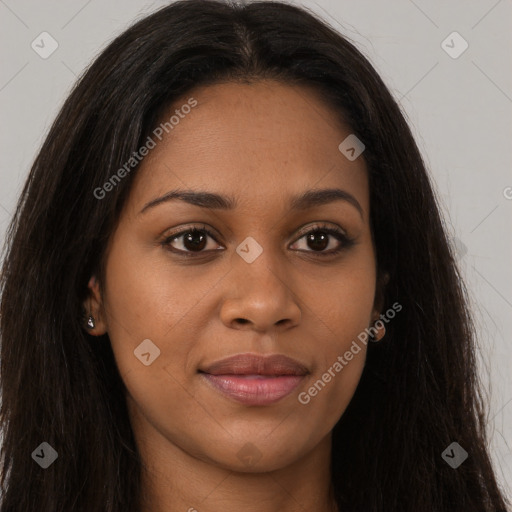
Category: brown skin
[261,143]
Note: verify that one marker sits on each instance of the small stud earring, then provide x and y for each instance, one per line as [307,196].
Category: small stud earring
[381,331]
[91,324]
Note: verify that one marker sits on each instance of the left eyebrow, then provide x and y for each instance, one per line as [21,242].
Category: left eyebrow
[319,197]
[306,200]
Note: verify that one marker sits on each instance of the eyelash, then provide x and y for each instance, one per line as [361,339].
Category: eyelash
[345,241]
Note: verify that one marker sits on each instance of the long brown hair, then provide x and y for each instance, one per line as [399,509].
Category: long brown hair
[419,391]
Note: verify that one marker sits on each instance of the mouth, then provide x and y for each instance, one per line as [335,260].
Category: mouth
[253,379]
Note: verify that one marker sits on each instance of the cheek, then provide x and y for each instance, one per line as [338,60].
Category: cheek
[341,313]
[142,302]
[343,305]
[152,309]
[340,359]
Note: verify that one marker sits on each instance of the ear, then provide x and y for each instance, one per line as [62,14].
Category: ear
[93,306]
[382,281]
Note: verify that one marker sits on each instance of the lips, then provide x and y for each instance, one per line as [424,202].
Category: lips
[254,364]
[253,379]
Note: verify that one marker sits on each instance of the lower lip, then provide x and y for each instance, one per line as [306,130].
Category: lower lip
[254,390]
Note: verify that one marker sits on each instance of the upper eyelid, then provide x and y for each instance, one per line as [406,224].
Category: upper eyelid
[319,225]
[303,230]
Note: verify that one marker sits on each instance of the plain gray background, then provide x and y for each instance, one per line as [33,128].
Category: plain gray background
[459,109]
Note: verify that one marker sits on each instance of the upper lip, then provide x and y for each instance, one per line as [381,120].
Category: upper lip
[254,364]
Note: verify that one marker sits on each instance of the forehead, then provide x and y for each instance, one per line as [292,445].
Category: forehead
[259,142]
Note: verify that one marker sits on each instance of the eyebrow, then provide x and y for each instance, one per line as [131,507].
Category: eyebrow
[210,200]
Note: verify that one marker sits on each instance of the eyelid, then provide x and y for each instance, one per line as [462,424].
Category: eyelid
[192,227]
[318,226]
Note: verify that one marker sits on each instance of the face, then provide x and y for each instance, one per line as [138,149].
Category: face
[254,280]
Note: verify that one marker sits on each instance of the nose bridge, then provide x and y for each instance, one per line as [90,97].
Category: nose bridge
[260,263]
[266,246]
[263,296]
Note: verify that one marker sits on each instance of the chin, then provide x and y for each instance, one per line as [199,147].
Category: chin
[250,455]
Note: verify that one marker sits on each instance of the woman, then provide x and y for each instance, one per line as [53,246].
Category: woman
[227,284]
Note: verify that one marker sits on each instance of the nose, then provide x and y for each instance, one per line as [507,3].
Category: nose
[260,296]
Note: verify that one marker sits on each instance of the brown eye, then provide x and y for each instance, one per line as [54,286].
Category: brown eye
[192,240]
[320,238]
